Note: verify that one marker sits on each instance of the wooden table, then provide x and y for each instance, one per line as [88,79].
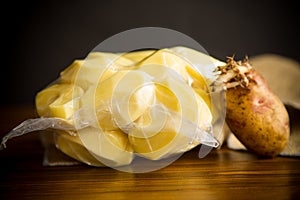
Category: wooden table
[223,174]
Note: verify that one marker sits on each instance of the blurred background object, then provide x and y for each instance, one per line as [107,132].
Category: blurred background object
[41,38]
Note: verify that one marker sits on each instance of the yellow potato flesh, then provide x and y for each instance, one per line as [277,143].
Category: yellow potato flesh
[120,100]
[167,97]
[135,103]
[109,147]
[138,56]
[73,147]
[97,67]
[169,134]
[58,100]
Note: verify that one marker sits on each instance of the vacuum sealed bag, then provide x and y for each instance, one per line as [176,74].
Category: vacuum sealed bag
[136,111]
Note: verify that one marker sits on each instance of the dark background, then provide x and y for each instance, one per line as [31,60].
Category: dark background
[41,38]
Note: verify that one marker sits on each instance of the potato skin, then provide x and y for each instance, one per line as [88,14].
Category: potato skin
[257,117]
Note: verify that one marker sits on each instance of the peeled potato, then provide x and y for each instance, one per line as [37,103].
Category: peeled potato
[161,144]
[73,147]
[150,103]
[111,148]
[138,56]
[157,134]
[121,99]
[167,59]
[97,67]
[96,148]
[58,100]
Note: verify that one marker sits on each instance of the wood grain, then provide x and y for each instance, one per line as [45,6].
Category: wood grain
[223,174]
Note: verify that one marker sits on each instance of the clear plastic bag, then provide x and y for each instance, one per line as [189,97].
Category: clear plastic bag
[135,112]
